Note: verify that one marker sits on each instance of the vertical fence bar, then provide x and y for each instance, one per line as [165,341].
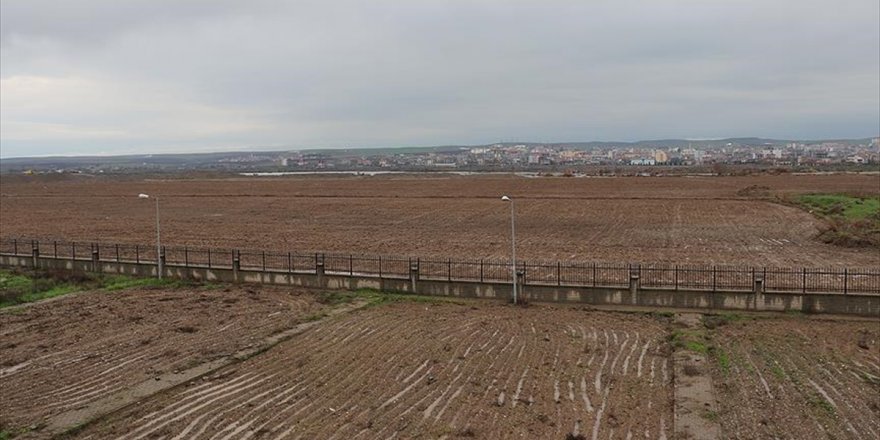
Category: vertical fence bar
[481,270]
[117,253]
[845,276]
[675,275]
[289,263]
[350,265]
[380,267]
[55,248]
[264,261]
[72,251]
[449,269]
[209,258]
[137,254]
[15,246]
[185,257]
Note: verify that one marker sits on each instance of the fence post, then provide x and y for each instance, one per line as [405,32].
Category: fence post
[449,269]
[161,258]
[236,265]
[55,248]
[35,253]
[804,282]
[676,276]
[558,273]
[209,258]
[413,275]
[481,270]
[289,263]
[96,257]
[380,267]
[713,279]
[758,290]
[845,277]
[137,254]
[117,253]
[15,246]
[351,265]
[185,257]
[634,277]
[319,269]
[72,251]
[594,274]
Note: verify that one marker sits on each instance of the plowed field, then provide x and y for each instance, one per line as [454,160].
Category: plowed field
[799,379]
[414,370]
[63,354]
[676,220]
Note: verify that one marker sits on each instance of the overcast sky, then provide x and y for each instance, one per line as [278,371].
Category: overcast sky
[147,76]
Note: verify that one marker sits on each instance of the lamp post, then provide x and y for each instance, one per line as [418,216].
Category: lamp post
[158,240]
[512,241]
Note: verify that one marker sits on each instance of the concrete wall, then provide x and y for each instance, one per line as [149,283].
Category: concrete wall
[860,304]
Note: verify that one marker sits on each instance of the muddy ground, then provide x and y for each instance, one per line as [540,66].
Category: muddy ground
[797,378]
[677,220]
[422,370]
[65,353]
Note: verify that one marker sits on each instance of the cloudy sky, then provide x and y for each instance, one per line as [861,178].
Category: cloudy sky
[120,77]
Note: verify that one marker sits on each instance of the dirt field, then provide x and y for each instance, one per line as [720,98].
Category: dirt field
[799,379]
[62,354]
[665,219]
[418,370]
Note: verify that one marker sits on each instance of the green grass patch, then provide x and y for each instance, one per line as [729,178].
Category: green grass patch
[20,287]
[118,282]
[315,317]
[845,206]
[820,402]
[852,221]
[722,358]
[777,371]
[690,340]
[375,298]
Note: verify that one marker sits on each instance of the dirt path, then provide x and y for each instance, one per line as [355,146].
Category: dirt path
[695,404]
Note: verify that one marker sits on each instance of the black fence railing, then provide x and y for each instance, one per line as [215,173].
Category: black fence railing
[575,274]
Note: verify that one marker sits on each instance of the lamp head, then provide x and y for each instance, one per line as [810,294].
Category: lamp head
[143,196]
[505,198]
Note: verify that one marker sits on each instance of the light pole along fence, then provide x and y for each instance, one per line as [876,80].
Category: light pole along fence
[539,273]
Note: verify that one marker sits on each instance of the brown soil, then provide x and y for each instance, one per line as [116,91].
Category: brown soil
[416,370]
[64,354]
[799,378]
[666,219]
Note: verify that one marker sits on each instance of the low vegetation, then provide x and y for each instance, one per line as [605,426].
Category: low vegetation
[20,287]
[852,221]
[375,297]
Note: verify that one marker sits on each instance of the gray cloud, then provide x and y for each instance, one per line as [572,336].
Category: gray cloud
[153,76]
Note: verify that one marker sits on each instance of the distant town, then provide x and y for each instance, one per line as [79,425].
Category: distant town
[570,158]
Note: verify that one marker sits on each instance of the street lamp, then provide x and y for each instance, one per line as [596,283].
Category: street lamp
[158,241]
[512,241]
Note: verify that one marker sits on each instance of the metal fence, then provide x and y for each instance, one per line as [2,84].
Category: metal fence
[575,274]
